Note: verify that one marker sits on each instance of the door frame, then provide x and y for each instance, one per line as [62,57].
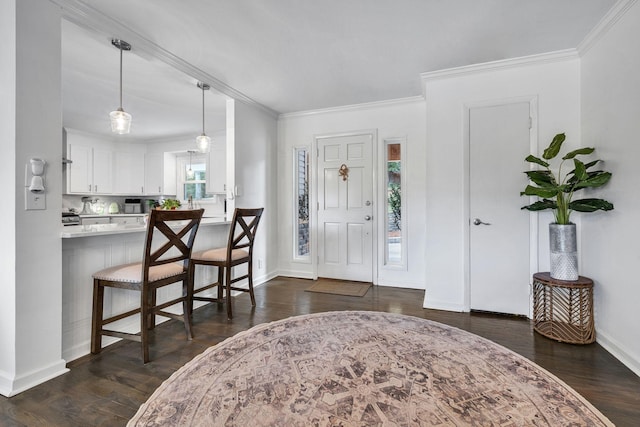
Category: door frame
[313,189]
[532,100]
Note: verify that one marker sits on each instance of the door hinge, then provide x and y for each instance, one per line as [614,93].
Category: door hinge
[317,206]
[530,122]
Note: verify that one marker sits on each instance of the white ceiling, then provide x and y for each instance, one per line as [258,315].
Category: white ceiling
[296,55]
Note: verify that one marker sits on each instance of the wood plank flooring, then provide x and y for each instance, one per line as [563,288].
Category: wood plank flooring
[107,389]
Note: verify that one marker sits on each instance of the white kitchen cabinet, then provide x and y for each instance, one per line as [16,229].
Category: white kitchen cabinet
[128,176]
[138,219]
[95,220]
[160,174]
[217,169]
[90,170]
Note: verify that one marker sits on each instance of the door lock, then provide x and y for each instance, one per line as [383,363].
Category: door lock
[367,217]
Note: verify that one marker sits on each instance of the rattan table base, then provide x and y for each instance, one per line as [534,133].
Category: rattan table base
[563,310]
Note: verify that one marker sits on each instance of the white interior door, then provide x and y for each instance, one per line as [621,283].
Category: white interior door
[499,258]
[345,207]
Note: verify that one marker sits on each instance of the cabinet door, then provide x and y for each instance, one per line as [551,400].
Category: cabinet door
[217,170]
[79,171]
[153,173]
[102,171]
[128,176]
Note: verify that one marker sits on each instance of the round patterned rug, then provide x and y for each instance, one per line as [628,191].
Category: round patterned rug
[355,368]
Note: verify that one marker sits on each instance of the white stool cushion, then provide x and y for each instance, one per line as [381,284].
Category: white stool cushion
[218,254]
[132,273]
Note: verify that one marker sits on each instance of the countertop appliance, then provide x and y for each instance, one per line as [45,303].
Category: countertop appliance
[70,218]
[132,206]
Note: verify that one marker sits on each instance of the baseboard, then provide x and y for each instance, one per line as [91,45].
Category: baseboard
[402,284]
[296,274]
[10,387]
[618,351]
[443,305]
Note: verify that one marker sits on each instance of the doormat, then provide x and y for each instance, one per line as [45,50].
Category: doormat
[340,288]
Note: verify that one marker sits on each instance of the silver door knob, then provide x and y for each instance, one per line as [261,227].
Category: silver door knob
[367,217]
[478,221]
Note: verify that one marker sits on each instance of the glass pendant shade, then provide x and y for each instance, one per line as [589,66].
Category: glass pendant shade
[203,143]
[190,174]
[120,121]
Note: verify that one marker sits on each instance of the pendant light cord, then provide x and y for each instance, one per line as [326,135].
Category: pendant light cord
[203,108]
[120,47]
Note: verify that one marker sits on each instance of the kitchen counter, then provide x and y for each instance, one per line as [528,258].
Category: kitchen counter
[75,231]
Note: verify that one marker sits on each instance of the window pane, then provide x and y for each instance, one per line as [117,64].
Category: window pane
[195,190]
[302,202]
[394,204]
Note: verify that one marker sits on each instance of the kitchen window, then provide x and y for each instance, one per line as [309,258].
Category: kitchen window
[193,184]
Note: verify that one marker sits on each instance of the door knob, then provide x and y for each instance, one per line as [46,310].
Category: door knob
[478,221]
[367,217]
[367,203]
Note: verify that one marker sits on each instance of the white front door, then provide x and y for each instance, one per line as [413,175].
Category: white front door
[345,207]
[499,258]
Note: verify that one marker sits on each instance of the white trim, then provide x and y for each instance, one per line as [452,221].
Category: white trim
[614,14]
[544,58]
[12,386]
[95,21]
[353,107]
[617,350]
[443,305]
[296,274]
[532,100]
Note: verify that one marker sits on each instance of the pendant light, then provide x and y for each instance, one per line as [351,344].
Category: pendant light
[203,142]
[120,119]
[190,173]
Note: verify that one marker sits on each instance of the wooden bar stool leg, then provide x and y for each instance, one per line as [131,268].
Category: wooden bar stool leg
[145,318]
[190,288]
[186,315]
[96,321]
[152,315]
[250,268]
[220,284]
[228,286]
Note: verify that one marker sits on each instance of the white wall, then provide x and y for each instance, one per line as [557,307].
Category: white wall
[403,118]
[254,135]
[554,81]
[610,110]
[30,340]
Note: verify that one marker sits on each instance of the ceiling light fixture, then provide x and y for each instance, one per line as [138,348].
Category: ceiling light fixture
[120,119]
[190,173]
[203,142]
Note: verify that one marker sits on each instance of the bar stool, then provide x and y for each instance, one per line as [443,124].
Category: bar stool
[239,250]
[163,263]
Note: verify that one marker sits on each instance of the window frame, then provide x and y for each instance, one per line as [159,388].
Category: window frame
[388,264]
[181,173]
[295,197]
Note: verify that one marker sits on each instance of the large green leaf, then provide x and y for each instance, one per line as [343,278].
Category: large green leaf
[540,192]
[595,179]
[533,159]
[590,164]
[554,148]
[579,151]
[541,205]
[541,178]
[580,172]
[590,205]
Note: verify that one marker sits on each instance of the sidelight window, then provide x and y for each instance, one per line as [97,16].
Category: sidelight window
[301,206]
[395,233]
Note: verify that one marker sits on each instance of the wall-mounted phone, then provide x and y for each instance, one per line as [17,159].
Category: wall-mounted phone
[35,185]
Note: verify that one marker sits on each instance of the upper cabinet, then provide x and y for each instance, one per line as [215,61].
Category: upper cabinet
[89,165]
[160,174]
[129,171]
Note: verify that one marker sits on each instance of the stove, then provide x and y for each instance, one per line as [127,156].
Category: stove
[70,218]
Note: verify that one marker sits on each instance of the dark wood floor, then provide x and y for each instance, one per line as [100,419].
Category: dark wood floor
[107,389]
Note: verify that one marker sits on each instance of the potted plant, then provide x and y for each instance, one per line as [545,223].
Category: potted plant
[557,190]
[170,204]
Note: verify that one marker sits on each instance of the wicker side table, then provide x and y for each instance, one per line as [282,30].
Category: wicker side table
[563,310]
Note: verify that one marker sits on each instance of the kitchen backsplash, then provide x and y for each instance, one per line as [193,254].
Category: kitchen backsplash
[104,204]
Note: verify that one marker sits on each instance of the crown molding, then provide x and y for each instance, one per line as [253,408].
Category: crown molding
[89,18]
[354,107]
[614,14]
[543,58]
